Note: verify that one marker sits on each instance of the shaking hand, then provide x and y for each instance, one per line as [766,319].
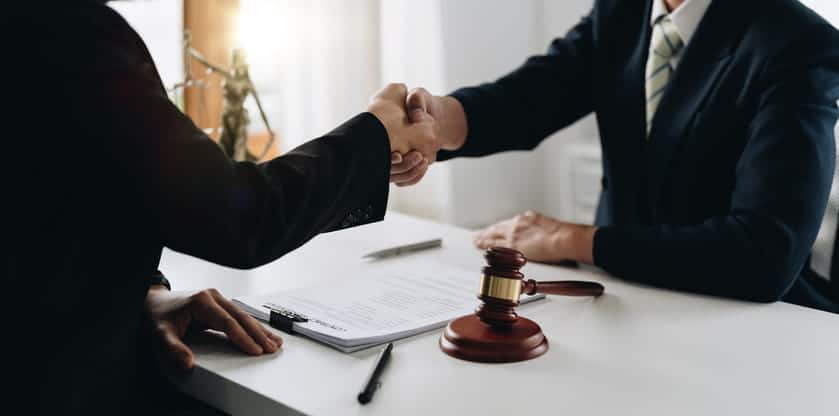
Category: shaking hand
[409,168]
[419,133]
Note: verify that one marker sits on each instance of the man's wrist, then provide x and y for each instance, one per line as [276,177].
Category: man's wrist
[577,244]
[453,125]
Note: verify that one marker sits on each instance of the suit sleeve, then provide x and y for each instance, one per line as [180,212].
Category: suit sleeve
[202,203]
[547,93]
[783,180]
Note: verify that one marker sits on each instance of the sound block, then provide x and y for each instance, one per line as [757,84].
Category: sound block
[468,338]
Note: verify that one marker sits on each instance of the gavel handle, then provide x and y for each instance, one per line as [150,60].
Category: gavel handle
[564,287]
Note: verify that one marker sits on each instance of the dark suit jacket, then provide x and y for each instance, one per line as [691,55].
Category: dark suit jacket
[726,196]
[101,171]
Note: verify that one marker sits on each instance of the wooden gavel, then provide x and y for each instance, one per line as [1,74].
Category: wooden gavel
[502,284]
[495,333]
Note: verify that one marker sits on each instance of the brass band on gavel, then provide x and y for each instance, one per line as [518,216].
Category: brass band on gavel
[500,288]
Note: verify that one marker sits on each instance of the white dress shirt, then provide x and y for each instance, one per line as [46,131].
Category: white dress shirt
[823,248]
[686,18]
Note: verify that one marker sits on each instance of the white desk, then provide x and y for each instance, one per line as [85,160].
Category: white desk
[634,351]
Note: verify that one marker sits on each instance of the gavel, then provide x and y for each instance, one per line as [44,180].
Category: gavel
[495,332]
[502,284]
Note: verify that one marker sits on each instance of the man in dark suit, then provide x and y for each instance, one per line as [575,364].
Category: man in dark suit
[101,171]
[716,122]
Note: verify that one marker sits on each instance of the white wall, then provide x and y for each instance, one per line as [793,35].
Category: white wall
[477,49]
[412,52]
[829,9]
[160,24]
[314,62]
[557,18]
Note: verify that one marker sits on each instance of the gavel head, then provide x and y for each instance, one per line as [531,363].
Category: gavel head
[501,285]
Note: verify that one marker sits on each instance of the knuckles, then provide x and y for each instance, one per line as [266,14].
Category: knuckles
[205,296]
[395,88]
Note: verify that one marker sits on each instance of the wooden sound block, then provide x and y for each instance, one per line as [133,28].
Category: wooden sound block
[468,338]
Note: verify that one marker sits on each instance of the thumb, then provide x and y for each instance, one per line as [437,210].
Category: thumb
[417,105]
[176,349]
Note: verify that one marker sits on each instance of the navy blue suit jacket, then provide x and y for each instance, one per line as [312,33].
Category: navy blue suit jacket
[726,196]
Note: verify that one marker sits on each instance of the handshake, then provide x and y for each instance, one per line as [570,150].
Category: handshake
[418,126]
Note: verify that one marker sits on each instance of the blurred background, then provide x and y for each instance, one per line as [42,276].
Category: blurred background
[315,63]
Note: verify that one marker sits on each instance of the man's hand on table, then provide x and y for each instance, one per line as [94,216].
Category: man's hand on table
[176,313]
[540,238]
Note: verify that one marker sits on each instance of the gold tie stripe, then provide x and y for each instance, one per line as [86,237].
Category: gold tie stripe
[665,44]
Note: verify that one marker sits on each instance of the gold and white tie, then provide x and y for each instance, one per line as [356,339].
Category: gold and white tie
[665,44]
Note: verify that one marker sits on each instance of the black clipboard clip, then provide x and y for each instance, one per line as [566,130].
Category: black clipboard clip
[284,319]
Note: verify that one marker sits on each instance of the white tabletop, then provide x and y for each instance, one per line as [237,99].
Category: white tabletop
[634,351]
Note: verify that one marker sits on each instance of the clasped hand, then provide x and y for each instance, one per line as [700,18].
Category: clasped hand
[417,125]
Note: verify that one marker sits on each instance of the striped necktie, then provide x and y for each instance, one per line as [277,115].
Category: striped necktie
[665,44]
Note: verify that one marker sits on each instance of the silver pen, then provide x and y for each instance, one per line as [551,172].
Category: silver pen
[408,248]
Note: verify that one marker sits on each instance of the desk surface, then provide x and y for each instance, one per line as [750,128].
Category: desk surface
[634,351]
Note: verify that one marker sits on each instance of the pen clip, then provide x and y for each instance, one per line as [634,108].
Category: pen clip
[284,319]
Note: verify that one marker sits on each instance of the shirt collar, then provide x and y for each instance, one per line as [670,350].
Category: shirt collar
[686,17]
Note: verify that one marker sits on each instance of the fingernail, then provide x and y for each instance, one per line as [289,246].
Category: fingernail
[417,114]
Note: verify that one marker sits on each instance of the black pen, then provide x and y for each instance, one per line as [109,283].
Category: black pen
[373,379]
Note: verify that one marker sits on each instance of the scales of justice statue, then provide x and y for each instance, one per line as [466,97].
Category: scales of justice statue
[236,87]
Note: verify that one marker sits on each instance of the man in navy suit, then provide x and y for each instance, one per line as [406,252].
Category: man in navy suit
[716,121]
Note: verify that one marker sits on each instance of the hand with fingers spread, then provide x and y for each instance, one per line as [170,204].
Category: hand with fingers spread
[174,314]
[540,238]
[408,169]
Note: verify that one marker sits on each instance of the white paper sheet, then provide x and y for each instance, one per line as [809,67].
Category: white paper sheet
[379,307]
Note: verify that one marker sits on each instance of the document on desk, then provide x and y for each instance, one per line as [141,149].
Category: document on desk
[379,307]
